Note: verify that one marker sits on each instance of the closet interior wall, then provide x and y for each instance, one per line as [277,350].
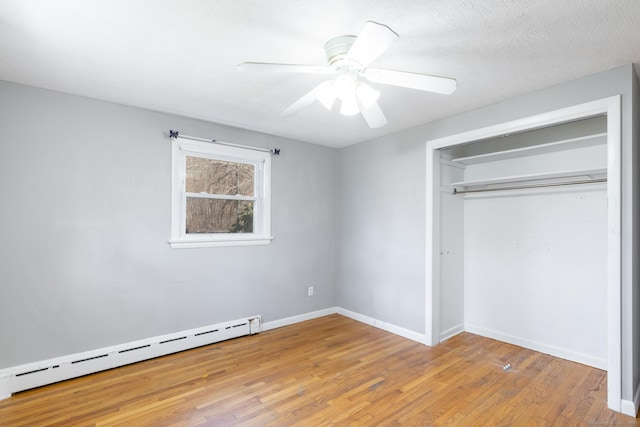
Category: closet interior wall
[528,266]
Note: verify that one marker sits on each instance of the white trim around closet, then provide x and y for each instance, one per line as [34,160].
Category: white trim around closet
[609,106]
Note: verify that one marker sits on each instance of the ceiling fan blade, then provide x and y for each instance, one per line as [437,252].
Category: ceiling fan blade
[374,116]
[306,100]
[284,68]
[443,85]
[372,41]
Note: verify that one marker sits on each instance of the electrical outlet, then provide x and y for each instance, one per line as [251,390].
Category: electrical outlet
[310,291]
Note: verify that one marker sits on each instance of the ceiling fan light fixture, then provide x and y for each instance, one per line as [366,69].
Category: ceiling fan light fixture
[326,96]
[344,86]
[349,58]
[349,106]
[366,95]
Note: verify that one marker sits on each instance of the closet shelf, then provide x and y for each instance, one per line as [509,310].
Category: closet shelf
[538,178]
[580,142]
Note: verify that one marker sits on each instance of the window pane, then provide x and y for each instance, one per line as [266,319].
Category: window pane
[219,177]
[219,216]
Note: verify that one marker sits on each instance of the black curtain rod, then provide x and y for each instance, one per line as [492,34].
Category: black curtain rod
[176,134]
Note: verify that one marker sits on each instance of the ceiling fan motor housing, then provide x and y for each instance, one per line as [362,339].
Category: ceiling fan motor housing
[337,49]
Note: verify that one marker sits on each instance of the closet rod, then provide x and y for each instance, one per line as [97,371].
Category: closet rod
[520,187]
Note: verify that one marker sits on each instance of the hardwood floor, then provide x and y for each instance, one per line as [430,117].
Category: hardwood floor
[328,371]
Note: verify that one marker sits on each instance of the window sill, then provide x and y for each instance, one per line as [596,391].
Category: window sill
[213,242]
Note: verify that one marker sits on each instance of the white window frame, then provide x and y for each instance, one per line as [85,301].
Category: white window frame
[261,235]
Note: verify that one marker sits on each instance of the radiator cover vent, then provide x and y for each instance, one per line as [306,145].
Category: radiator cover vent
[45,372]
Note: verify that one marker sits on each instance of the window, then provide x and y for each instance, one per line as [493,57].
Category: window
[220,195]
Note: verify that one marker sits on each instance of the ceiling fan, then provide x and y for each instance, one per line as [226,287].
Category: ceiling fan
[349,58]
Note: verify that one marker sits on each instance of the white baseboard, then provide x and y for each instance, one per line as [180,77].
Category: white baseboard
[629,407]
[299,318]
[538,346]
[397,330]
[406,333]
[451,332]
[36,374]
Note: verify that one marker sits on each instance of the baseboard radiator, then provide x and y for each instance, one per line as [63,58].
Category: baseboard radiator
[49,371]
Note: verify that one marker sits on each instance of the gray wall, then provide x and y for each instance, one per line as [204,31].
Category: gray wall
[381,230]
[381,217]
[84,224]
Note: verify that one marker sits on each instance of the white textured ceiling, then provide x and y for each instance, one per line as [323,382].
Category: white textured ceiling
[179,56]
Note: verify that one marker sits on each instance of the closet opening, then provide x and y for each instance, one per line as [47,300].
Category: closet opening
[523,235]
